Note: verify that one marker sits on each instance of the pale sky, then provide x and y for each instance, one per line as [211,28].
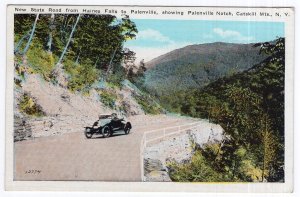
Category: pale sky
[157,37]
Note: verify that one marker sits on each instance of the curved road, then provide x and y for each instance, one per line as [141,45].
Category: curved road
[73,157]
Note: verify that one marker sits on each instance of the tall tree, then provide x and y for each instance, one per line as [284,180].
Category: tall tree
[69,40]
[51,27]
[31,35]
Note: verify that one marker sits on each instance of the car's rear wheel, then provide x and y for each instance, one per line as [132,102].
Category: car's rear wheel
[106,131]
[88,134]
[127,131]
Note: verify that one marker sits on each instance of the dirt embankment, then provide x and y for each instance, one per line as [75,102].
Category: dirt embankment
[63,111]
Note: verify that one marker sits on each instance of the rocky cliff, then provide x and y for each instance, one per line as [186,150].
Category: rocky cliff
[179,149]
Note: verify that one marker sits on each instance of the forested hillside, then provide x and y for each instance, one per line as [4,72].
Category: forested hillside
[82,53]
[195,66]
[250,108]
[90,47]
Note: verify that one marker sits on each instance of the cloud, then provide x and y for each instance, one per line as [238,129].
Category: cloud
[232,34]
[154,35]
[226,33]
[208,36]
[149,53]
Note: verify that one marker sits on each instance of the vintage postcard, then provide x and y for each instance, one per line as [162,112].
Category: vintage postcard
[131,98]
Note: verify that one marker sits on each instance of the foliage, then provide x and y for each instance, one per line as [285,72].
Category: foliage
[82,76]
[250,108]
[138,77]
[148,104]
[108,98]
[269,149]
[29,106]
[118,75]
[43,63]
[197,170]
[93,44]
[214,163]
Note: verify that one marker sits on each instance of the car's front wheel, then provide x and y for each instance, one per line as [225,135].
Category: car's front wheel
[106,131]
[88,133]
[127,128]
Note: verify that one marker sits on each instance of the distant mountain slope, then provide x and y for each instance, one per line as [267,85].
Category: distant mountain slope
[197,65]
[249,106]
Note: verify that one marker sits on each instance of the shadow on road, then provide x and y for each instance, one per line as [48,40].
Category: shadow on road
[99,136]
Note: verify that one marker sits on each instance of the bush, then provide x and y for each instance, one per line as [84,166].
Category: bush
[28,106]
[216,162]
[117,76]
[197,170]
[40,61]
[82,76]
[148,105]
[108,99]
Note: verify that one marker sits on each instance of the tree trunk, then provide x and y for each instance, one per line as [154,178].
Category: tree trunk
[78,56]
[16,50]
[110,62]
[49,44]
[31,35]
[233,170]
[264,148]
[95,65]
[69,40]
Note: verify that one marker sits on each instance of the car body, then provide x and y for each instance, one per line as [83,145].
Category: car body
[107,125]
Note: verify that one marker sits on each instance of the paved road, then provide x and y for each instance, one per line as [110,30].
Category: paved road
[73,157]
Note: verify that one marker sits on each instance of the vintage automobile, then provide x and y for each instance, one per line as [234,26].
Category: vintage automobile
[107,125]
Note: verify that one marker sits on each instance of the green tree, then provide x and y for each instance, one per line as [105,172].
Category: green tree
[250,108]
[94,41]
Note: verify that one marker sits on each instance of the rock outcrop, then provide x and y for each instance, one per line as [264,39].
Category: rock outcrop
[130,105]
[22,129]
[179,148]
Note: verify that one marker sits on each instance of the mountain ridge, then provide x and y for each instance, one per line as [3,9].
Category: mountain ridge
[197,65]
[151,62]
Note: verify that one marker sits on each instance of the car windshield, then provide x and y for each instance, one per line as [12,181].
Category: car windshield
[104,116]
